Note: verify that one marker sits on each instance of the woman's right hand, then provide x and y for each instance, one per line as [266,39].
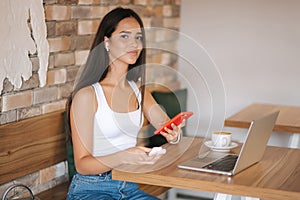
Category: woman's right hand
[138,155]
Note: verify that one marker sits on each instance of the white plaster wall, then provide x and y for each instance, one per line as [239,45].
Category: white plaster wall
[18,39]
[255,44]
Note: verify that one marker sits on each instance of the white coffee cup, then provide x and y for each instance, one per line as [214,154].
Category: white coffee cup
[221,139]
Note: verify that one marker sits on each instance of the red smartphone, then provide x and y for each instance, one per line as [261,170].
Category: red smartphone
[176,120]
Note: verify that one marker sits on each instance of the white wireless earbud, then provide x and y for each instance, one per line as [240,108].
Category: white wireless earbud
[106,46]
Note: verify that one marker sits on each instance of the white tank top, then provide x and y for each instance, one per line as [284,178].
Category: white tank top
[115,131]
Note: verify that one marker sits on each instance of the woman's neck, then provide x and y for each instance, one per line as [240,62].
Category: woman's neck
[116,75]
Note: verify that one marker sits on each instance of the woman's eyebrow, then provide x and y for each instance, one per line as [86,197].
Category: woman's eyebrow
[129,32]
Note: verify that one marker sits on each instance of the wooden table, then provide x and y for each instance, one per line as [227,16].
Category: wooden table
[288,120]
[275,177]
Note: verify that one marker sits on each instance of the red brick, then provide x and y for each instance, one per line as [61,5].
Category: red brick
[66,28]
[57,12]
[44,95]
[64,59]
[18,100]
[54,106]
[57,76]
[88,27]
[59,44]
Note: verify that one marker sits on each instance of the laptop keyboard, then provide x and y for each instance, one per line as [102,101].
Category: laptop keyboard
[226,163]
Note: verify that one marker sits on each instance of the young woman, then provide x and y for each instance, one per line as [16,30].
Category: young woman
[107,107]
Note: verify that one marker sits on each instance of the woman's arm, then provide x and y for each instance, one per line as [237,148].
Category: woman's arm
[157,117]
[82,113]
[153,112]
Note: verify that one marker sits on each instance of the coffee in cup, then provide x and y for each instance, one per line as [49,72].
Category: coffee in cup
[221,139]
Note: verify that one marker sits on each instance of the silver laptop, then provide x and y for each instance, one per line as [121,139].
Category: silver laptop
[230,164]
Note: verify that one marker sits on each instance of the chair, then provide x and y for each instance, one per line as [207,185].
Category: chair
[69,151]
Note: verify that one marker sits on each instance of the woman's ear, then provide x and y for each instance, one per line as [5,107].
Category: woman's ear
[106,45]
[106,39]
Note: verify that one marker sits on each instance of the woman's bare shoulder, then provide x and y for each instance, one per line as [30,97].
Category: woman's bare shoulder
[85,100]
[85,93]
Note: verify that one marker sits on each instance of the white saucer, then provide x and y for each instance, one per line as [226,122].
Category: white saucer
[220,149]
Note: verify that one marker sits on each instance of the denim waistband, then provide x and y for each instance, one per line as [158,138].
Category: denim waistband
[105,173]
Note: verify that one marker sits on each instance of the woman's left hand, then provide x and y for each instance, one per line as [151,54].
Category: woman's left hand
[172,135]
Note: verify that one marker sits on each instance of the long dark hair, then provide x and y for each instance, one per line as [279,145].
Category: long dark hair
[96,67]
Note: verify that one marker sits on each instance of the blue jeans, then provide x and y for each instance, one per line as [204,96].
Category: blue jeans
[102,187]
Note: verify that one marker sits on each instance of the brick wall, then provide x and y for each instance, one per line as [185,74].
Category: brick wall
[71,25]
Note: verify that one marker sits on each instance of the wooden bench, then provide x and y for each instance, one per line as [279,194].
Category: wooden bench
[36,143]
[30,145]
